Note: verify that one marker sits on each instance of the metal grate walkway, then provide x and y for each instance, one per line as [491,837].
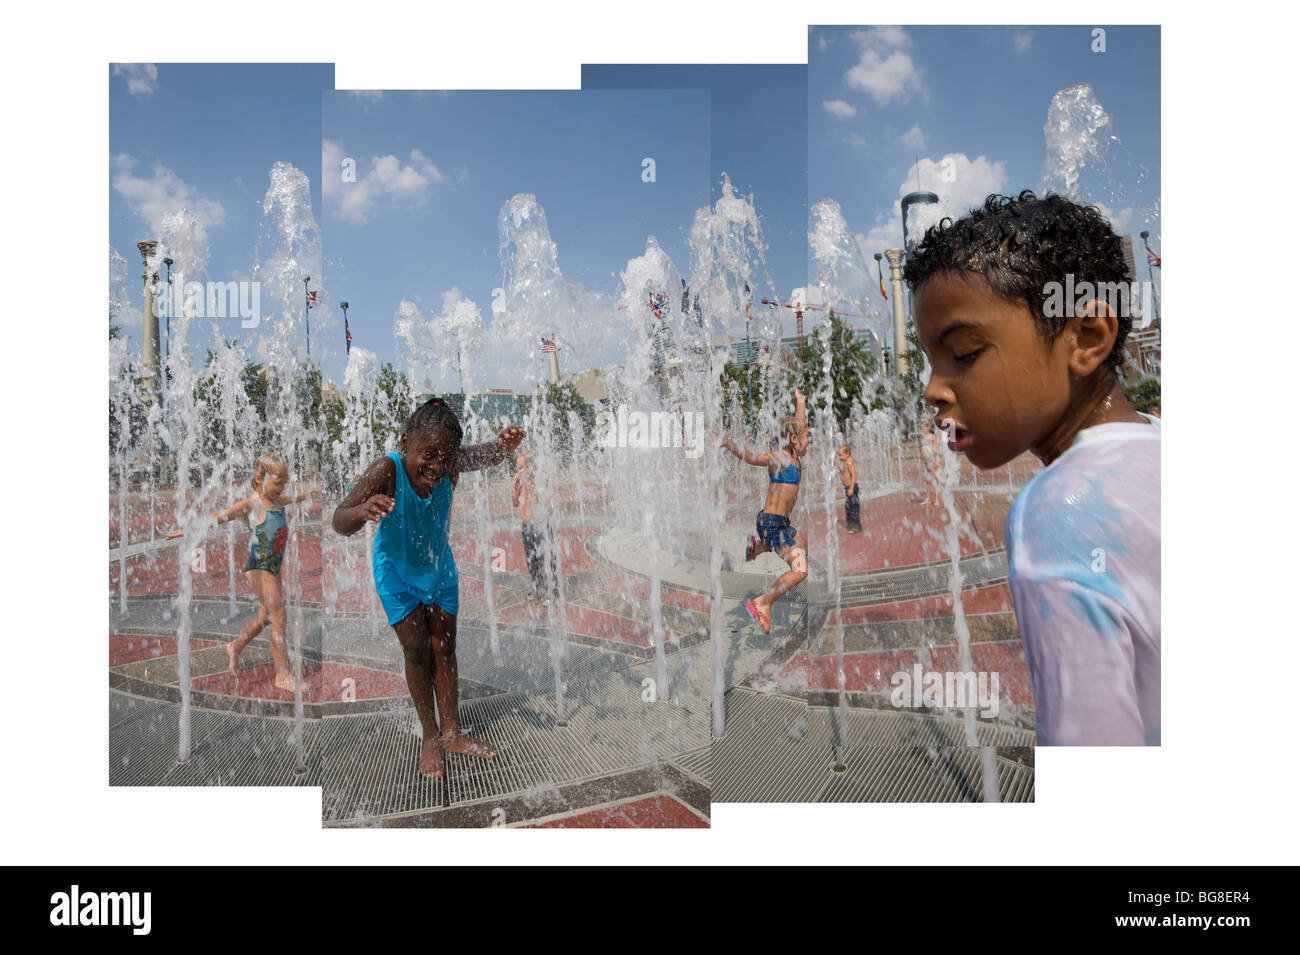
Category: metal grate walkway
[777,749]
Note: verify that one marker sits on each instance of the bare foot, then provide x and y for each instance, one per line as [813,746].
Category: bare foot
[233,656]
[468,746]
[284,681]
[431,758]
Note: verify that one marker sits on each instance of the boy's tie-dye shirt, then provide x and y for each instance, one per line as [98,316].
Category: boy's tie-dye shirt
[1083,547]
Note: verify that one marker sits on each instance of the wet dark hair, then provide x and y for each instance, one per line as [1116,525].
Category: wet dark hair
[1019,246]
[434,415]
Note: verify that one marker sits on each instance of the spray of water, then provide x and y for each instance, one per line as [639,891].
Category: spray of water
[289,252]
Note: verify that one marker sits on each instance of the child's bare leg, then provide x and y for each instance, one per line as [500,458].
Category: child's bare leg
[796,556]
[442,633]
[417,651]
[255,626]
[267,587]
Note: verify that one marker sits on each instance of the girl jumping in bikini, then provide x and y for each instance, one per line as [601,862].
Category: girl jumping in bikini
[773,530]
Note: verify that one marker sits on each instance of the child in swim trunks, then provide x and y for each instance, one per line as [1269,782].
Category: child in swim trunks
[270,533]
[849,478]
[409,495]
[537,535]
[1014,368]
[774,532]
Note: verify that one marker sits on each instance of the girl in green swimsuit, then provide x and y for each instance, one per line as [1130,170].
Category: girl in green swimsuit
[270,532]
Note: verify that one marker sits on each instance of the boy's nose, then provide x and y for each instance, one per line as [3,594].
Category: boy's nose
[937,393]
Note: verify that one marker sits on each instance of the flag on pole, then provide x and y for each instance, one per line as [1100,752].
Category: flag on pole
[1153,260]
[881,275]
[548,346]
[348,332]
[311,299]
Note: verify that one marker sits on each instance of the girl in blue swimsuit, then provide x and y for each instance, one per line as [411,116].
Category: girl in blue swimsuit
[408,495]
[773,530]
[266,545]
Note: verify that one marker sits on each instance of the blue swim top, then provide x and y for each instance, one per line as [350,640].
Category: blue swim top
[412,539]
[789,474]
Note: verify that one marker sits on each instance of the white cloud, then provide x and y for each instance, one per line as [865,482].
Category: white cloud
[972,180]
[837,107]
[407,183]
[141,78]
[855,140]
[885,70]
[1120,219]
[1022,40]
[914,139]
[159,199]
[121,311]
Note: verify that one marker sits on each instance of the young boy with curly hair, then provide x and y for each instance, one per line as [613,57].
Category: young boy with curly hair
[1022,308]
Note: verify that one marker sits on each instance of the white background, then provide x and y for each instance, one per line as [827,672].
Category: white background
[1222,787]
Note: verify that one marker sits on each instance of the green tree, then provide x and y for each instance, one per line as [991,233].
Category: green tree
[392,407]
[852,370]
[742,387]
[907,394]
[1143,395]
[564,398]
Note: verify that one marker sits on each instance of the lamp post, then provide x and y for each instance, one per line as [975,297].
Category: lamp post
[347,332]
[170,299]
[306,314]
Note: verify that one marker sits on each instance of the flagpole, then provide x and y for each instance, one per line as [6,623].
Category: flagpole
[306,296]
[347,332]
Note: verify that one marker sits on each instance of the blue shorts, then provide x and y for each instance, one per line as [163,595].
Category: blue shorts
[400,598]
[775,531]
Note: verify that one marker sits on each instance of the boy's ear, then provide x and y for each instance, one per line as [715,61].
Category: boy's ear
[1094,328]
[403,442]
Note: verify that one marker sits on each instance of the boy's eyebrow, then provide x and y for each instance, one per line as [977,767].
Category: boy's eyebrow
[955,327]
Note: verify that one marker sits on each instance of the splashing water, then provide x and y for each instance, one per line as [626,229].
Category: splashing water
[1077,135]
[292,237]
[727,251]
[950,474]
[183,240]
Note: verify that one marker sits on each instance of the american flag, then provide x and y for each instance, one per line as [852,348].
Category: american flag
[657,305]
[311,299]
[1153,260]
[548,346]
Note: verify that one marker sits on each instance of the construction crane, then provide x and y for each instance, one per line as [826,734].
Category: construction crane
[800,308]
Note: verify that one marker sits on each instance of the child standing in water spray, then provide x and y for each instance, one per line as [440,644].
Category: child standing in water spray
[270,533]
[408,495]
[774,532]
[1016,368]
[849,478]
[930,463]
[537,536]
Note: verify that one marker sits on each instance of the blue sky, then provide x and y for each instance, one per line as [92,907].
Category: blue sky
[205,136]
[879,98]
[435,168]
[758,117]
